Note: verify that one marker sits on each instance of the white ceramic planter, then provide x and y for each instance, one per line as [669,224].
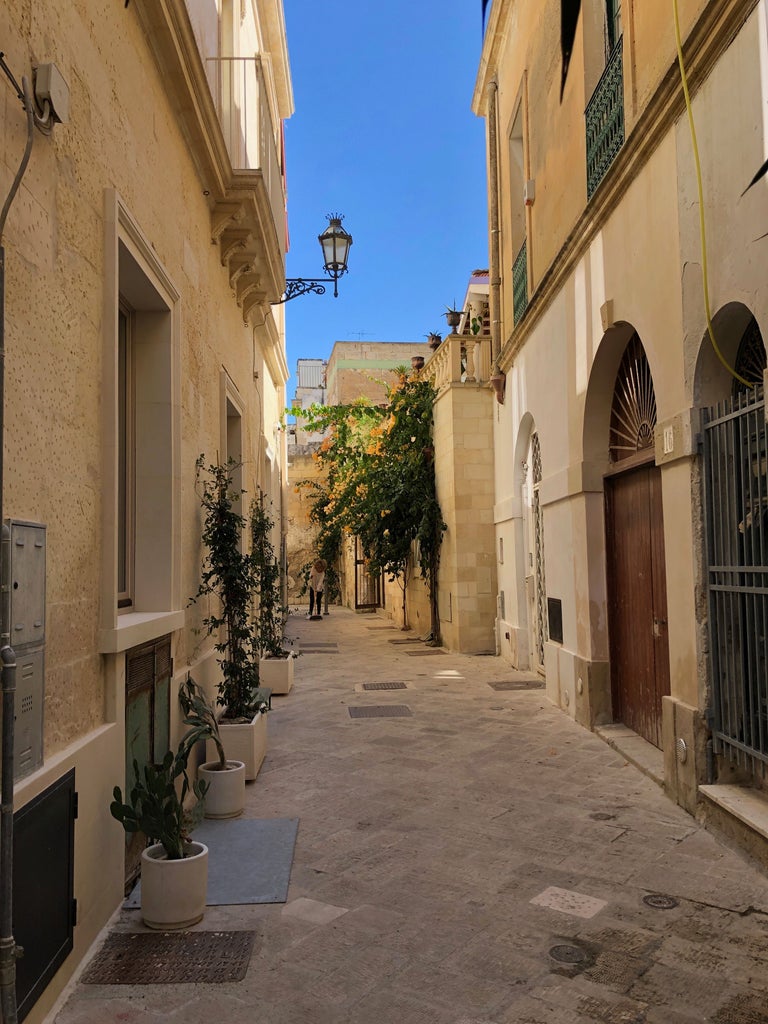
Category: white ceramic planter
[225,797]
[173,892]
[277,674]
[246,742]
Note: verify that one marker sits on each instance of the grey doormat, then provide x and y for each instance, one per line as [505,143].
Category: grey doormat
[170,958]
[249,861]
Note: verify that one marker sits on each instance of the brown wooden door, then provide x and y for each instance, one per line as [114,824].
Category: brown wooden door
[637,600]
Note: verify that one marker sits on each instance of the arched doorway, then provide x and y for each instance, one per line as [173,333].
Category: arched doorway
[635,562]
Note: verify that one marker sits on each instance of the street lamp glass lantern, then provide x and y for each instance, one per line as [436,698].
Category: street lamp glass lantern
[335,243]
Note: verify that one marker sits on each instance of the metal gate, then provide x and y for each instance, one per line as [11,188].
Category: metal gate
[736,508]
[367,583]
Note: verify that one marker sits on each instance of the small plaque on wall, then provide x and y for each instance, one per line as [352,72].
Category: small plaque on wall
[555,617]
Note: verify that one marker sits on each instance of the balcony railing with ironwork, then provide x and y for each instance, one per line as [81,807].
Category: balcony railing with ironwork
[605,120]
[520,282]
[237,85]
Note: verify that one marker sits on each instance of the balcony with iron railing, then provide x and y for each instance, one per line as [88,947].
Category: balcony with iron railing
[240,97]
[520,283]
[605,120]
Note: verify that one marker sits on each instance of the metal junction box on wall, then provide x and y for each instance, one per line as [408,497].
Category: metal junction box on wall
[25,580]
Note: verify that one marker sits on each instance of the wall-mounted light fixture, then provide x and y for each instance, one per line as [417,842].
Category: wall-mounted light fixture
[335,243]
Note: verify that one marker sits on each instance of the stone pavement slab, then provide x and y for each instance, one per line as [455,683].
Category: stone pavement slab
[442,857]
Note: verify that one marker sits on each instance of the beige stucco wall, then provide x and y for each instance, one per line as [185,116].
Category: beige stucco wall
[639,259]
[363,369]
[123,150]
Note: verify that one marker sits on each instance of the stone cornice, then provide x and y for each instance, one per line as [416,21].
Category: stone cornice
[710,37]
[242,222]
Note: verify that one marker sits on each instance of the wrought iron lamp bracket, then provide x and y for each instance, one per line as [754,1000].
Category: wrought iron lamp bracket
[295,286]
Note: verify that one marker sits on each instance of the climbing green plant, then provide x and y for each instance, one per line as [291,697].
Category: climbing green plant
[228,575]
[380,482]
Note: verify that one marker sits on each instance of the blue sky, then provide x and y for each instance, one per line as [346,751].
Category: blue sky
[386,137]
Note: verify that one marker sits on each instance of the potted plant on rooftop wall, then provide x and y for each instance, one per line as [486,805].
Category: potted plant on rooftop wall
[224,779]
[174,868]
[228,577]
[276,663]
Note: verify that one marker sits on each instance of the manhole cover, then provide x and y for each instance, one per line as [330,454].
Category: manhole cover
[568,954]
[171,958]
[602,816]
[381,711]
[384,686]
[660,902]
[518,684]
[421,654]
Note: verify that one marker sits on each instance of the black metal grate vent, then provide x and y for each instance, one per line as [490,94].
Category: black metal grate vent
[381,711]
[165,958]
[423,654]
[384,686]
[405,640]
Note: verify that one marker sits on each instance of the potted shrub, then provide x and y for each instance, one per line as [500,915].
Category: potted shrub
[228,576]
[174,868]
[276,663]
[224,780]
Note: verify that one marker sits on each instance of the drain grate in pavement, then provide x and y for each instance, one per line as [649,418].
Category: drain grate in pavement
[602,816]
[421,654]
[617,969]
[390,628]
[171,958]
[518,684]
[405,640]
[567,954]
[743,1009]
[384,686]
[381,711]
[659,901]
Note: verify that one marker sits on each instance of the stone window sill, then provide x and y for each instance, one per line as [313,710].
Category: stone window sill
[136,628]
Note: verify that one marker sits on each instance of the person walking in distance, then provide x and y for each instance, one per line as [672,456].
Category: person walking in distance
[316,584]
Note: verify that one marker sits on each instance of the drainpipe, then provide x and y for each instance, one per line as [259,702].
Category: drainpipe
[493,223]
[8,949]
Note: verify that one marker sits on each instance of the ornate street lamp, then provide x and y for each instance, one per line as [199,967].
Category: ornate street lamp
[335,243]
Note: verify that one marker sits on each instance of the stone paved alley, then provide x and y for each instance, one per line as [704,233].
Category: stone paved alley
[442,856]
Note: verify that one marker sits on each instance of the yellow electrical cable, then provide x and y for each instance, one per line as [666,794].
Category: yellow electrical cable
[702,228]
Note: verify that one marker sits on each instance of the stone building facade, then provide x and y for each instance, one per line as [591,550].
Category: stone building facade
[144,257]
[630,474]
